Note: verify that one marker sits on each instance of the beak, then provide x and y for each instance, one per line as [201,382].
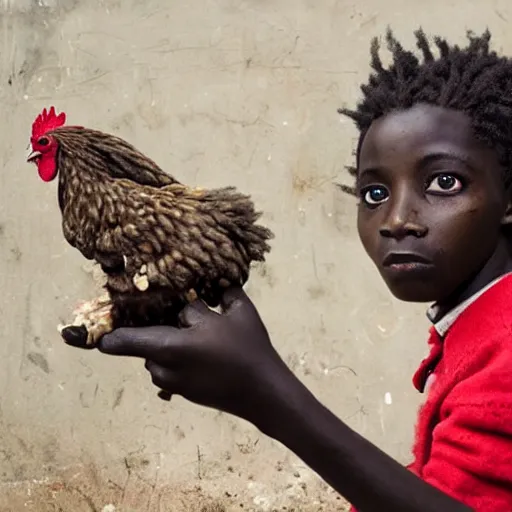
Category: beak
[32,157]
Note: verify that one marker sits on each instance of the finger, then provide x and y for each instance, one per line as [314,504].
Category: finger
[233,298]
[164,395]
[170,363]
[194,313]
[76,336]
[164,378]
[145,342]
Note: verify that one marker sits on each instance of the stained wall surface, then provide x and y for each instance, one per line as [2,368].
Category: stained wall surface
[218,92]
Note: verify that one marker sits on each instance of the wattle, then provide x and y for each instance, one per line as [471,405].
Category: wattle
[47,169]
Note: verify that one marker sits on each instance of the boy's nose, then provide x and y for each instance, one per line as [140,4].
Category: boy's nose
[400,230]
[402,222]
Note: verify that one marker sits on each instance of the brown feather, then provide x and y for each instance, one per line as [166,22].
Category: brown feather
[120,209]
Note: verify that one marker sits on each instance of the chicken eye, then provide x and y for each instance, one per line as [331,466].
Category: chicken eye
[375,195]
[43,141]
[445,184]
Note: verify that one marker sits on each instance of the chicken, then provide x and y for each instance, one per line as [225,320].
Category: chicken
[159,243]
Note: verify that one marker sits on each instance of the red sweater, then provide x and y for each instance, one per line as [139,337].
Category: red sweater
[463,441]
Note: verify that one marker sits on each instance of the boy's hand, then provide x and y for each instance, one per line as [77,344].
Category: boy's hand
[225,361]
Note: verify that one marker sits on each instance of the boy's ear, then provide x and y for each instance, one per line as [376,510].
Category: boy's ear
[507,216]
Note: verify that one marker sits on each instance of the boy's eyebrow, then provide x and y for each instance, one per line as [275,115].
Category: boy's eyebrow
[451,155]
[425,160]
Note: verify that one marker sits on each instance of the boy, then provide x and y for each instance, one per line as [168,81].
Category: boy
[433,176]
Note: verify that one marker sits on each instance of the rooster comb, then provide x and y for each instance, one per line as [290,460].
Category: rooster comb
[47,121]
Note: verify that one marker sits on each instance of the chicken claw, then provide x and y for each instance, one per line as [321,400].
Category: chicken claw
[93,319]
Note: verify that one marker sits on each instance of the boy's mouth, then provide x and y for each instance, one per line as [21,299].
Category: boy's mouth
[396,258]
[406,261]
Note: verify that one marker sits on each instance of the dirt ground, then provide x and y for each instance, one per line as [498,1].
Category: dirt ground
[60,496]
[85,489]
[218,92]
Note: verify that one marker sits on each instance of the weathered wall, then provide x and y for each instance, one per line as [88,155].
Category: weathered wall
[218,92]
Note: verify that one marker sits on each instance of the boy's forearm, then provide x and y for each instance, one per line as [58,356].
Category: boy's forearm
[358,470]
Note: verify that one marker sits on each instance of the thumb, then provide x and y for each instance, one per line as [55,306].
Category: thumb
[193,313]
[233,298]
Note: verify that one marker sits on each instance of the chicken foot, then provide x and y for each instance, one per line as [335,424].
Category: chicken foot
[93,319]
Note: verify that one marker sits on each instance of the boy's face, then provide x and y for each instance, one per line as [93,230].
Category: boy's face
[432,201]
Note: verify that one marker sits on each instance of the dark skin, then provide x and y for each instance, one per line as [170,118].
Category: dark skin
[432,202]
[428,188]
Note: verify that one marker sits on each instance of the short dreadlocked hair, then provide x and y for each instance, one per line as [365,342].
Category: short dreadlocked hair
[474,80]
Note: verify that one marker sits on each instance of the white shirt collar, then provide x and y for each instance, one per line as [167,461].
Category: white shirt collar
[443,324]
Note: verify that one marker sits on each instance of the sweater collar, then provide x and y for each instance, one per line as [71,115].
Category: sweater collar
[443,321]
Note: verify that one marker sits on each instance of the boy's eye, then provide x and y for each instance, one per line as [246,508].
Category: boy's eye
[445,183]
[375,195]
